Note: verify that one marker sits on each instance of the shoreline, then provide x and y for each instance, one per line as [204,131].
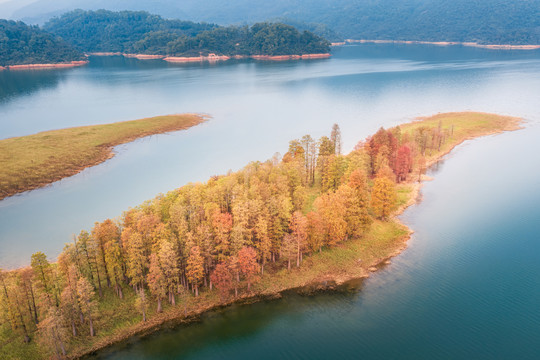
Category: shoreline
[321,283]
[45,66]
[104,152]
[440,43]
[213,57]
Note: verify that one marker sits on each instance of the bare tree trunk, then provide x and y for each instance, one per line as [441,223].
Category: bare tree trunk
[298,254]
[34,304]
[99,281]
[26,337]
[92,332]
[73,328]
[159,309]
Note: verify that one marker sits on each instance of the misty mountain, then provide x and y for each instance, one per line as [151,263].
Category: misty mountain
[486,21]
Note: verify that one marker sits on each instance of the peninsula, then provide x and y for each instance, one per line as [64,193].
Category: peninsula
[33,161]
[313,218]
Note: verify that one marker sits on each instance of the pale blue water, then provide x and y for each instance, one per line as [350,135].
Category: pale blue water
[257,108]
[468,285]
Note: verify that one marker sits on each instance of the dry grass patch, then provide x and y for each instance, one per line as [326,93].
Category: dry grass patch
[29,162]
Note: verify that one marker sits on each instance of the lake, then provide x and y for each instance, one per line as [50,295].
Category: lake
[467,286]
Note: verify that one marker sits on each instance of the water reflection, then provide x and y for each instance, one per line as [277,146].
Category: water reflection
[14,84]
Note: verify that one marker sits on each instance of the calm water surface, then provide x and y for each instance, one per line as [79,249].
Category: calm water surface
[467,286]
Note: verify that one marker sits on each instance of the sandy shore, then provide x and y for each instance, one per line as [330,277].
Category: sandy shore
[44,66]
[443,43]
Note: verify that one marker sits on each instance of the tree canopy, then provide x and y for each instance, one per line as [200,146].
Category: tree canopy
[23,44]
[143,33]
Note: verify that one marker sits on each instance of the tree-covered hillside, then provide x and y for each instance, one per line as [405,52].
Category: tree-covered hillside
[23,44]
[485,21]
[104,30]
[141,32]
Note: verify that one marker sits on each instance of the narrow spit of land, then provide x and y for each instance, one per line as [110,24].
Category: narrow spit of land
[33,161]
[117,319]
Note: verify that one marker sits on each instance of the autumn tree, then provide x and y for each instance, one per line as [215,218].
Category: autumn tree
[264,242]
[103,234]
[247,262]
[141,303]
[85,296]
[222,279]
[403,163]
[44,275]
[168,258]
[222,225]
[53,332]
[114,260]
[383,197]
[13,306]
[289,249]
[299,232]
[156,281]
[335,138]
[27,282]
[333,172]
[195,268]
[332,210]
[234,267]
[136,260]
[88,251]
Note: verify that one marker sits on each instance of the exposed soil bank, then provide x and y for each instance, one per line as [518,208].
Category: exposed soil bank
[44,66]
[443,43]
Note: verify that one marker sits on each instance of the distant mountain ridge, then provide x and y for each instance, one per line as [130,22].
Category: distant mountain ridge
[483,21]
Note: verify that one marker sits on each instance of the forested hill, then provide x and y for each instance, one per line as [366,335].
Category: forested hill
[484,21]
[22,44]
[143,33]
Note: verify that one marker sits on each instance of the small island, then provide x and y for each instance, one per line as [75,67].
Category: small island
[33,161]
[138,34]
[311,219]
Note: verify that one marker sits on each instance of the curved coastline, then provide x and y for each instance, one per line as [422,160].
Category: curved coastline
[319,283]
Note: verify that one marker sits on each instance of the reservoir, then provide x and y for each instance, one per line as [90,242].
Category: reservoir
[467,286]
